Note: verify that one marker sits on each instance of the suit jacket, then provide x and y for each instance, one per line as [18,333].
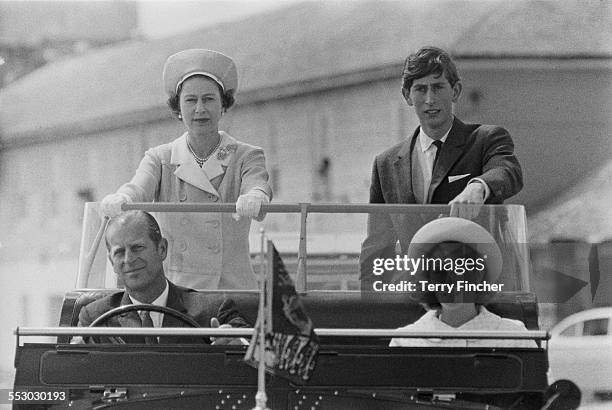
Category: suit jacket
[470,151]
[181,299]
[205,250]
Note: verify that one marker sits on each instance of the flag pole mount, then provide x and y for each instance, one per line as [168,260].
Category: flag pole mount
[260,401]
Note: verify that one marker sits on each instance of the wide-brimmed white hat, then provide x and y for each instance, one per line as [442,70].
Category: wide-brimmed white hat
[452,229]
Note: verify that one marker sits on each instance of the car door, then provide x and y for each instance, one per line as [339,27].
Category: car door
[581,351]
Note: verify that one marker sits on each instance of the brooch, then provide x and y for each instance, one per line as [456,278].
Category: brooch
[225,151]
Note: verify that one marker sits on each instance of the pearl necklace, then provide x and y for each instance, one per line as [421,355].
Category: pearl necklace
[199,160]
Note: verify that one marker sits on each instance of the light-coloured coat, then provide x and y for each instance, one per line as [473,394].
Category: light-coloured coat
[206,250]
[485,320]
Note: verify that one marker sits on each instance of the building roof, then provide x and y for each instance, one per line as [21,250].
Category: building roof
[32,23]
[302,42]
[581,212]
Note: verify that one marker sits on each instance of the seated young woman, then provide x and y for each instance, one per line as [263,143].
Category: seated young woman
[457,257]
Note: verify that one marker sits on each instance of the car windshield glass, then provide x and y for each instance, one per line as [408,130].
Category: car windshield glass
[398,263]
[325,242]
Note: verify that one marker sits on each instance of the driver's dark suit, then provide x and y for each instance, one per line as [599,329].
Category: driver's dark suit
[199,306]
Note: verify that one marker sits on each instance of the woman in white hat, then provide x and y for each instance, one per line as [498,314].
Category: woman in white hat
[206,251]
[461,253]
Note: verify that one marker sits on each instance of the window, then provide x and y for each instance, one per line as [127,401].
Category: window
[595,327]
[570,331]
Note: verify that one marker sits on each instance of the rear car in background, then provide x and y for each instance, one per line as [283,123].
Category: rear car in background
[580,350]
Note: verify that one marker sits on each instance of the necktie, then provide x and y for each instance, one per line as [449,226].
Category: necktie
[438,145]
[145,318]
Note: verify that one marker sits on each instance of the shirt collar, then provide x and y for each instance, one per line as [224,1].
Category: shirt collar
[161,300]
[425,140]
[180,153]
[483,320]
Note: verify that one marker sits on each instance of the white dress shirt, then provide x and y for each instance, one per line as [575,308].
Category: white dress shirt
[162,300]
[426,153]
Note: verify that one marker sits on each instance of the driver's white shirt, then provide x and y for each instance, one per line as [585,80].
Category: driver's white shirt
[162,300]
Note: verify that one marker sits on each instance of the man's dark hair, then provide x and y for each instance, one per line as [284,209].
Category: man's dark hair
[152,225]
[428,60]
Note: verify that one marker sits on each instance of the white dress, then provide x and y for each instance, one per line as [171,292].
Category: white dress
[485,320]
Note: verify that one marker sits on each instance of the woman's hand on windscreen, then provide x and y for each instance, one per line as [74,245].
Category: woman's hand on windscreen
[249,205]
[111,204]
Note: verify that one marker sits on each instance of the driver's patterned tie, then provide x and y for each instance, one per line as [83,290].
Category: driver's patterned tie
[145,318]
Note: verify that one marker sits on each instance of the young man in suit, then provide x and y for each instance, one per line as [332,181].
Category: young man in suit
[136,250]
[445,161]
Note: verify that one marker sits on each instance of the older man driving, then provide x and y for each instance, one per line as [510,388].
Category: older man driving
[136,250]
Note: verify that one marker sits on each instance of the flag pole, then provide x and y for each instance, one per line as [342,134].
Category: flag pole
[261,397]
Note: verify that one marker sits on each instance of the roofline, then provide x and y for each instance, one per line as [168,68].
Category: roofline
[551,56]
[287,90]
[544,62]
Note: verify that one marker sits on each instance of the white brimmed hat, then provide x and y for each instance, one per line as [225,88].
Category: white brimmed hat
[212,64]
[452,229]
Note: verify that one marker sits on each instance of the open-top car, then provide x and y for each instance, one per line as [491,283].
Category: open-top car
[355,318]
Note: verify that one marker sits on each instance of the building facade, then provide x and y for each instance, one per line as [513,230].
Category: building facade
[322,102]
[34,33]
